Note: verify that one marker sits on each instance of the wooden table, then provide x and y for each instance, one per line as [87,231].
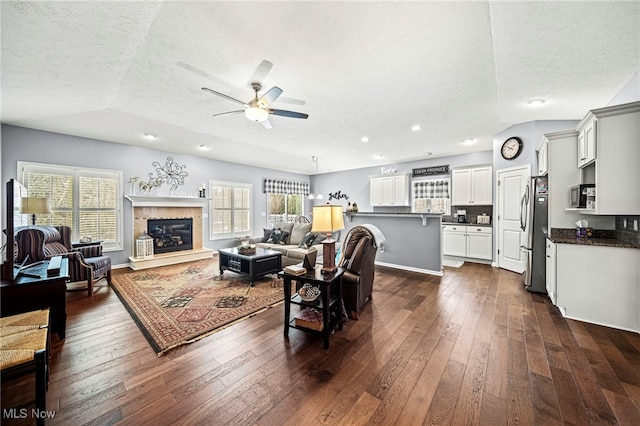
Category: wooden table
[329,301]
[262,262]
[29,293]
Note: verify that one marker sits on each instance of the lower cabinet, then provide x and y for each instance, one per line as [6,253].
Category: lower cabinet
[551,271]
[600,285]
[468,241]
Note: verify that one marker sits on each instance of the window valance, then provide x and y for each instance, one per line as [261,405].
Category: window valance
[431,189]
[276,186]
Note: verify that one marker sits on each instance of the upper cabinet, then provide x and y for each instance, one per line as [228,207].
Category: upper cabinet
[614,132]
[587,141]
[389,190]
[472,186]
[543,157]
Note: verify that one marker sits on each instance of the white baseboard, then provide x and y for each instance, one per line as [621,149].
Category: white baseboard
[412,269]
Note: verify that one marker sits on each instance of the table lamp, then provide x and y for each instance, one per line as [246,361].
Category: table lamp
[34,206]
[327,219]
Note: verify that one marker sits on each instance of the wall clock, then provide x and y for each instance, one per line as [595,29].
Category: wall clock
[511,148]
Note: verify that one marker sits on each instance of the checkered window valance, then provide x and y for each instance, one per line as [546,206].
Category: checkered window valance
[431,189]
[276,186]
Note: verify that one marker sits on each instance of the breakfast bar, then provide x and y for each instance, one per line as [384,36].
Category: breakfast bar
[412,240]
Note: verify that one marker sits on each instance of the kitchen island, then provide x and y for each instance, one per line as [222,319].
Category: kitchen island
[413,241]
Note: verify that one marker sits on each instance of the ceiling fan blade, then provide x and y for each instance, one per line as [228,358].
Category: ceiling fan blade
[284,113]
[206,89]
[270,96]
[228,112]
[206,75]
[266,124]
[261,72]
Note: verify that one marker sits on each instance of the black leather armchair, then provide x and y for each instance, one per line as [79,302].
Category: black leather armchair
[358,256]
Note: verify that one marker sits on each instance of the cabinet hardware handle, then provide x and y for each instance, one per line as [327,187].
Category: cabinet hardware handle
[584,158]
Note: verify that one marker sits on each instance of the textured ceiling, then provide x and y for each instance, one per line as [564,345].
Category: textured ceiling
[116,70]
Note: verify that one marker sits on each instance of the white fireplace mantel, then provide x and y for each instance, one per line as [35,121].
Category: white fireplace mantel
[141,202]
[148,201]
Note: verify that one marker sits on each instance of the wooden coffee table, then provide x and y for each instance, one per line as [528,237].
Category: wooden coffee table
[255,265]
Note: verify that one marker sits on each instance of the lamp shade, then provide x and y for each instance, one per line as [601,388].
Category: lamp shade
[34,205]
[327,219]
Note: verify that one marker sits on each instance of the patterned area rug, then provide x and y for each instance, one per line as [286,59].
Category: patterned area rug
[179,304]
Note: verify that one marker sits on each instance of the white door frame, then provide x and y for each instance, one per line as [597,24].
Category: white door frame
[523,167]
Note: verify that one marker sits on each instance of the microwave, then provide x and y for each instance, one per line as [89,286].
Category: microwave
[580,194]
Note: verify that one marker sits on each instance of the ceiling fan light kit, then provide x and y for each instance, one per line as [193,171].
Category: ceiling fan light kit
[256,114]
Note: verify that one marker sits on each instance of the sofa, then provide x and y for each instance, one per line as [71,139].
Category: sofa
[294,240]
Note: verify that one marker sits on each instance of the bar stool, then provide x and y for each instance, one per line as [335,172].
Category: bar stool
[24,347]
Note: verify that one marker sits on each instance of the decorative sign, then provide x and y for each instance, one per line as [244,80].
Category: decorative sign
[338,196]
[388,170]
[429,171]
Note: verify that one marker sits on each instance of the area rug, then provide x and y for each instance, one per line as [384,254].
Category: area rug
[179,304]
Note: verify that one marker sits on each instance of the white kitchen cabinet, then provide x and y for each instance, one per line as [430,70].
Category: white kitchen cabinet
[551,271]
[543,157]
[472,186]
[600,285]
[616,133]
[455,240]
[468,241]
[587,142]
[389,190]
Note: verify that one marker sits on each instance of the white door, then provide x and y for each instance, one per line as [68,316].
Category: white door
[512,184]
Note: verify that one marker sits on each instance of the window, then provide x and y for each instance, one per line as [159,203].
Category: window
[284,207]
[431,196]
[230,209]
[285,199]
[87,200]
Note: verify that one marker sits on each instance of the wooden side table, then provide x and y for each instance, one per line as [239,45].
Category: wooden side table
[328,302]
[29,293]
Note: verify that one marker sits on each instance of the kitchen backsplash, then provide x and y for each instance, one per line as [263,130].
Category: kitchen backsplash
[472,213]
[628,228]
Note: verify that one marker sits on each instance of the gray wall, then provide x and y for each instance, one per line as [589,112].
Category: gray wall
[22,144]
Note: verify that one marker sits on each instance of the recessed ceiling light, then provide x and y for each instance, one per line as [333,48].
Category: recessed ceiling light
[365,139]
[415,127]
[427,154]
[204,146]
[150,136]
[536,102]
[469,141]
[378,156]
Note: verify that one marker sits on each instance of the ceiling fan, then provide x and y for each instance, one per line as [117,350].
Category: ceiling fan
[258,108]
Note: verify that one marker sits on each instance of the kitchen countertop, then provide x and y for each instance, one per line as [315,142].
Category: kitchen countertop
[600,238]
[467,224]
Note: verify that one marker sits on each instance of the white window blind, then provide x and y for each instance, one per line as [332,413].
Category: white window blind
[231,210]
[87,200]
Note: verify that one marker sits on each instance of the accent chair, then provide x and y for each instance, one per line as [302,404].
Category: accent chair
[43,242]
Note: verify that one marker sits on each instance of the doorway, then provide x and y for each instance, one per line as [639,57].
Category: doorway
[512,183]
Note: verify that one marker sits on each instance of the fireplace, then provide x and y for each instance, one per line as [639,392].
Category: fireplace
[171,234]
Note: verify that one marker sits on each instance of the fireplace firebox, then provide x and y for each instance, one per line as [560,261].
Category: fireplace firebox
[171,234]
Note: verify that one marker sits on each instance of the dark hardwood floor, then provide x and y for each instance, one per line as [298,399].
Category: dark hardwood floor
[471,347]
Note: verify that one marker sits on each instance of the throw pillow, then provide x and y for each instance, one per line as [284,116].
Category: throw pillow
[298,232]
[278,236]
[308,240]
[266,233]
[285,227]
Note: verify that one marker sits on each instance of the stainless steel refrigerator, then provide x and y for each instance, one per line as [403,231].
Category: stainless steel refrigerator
[534,221]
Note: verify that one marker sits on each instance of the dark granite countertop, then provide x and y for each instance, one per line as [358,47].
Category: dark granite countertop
[467,224]
[600,238]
